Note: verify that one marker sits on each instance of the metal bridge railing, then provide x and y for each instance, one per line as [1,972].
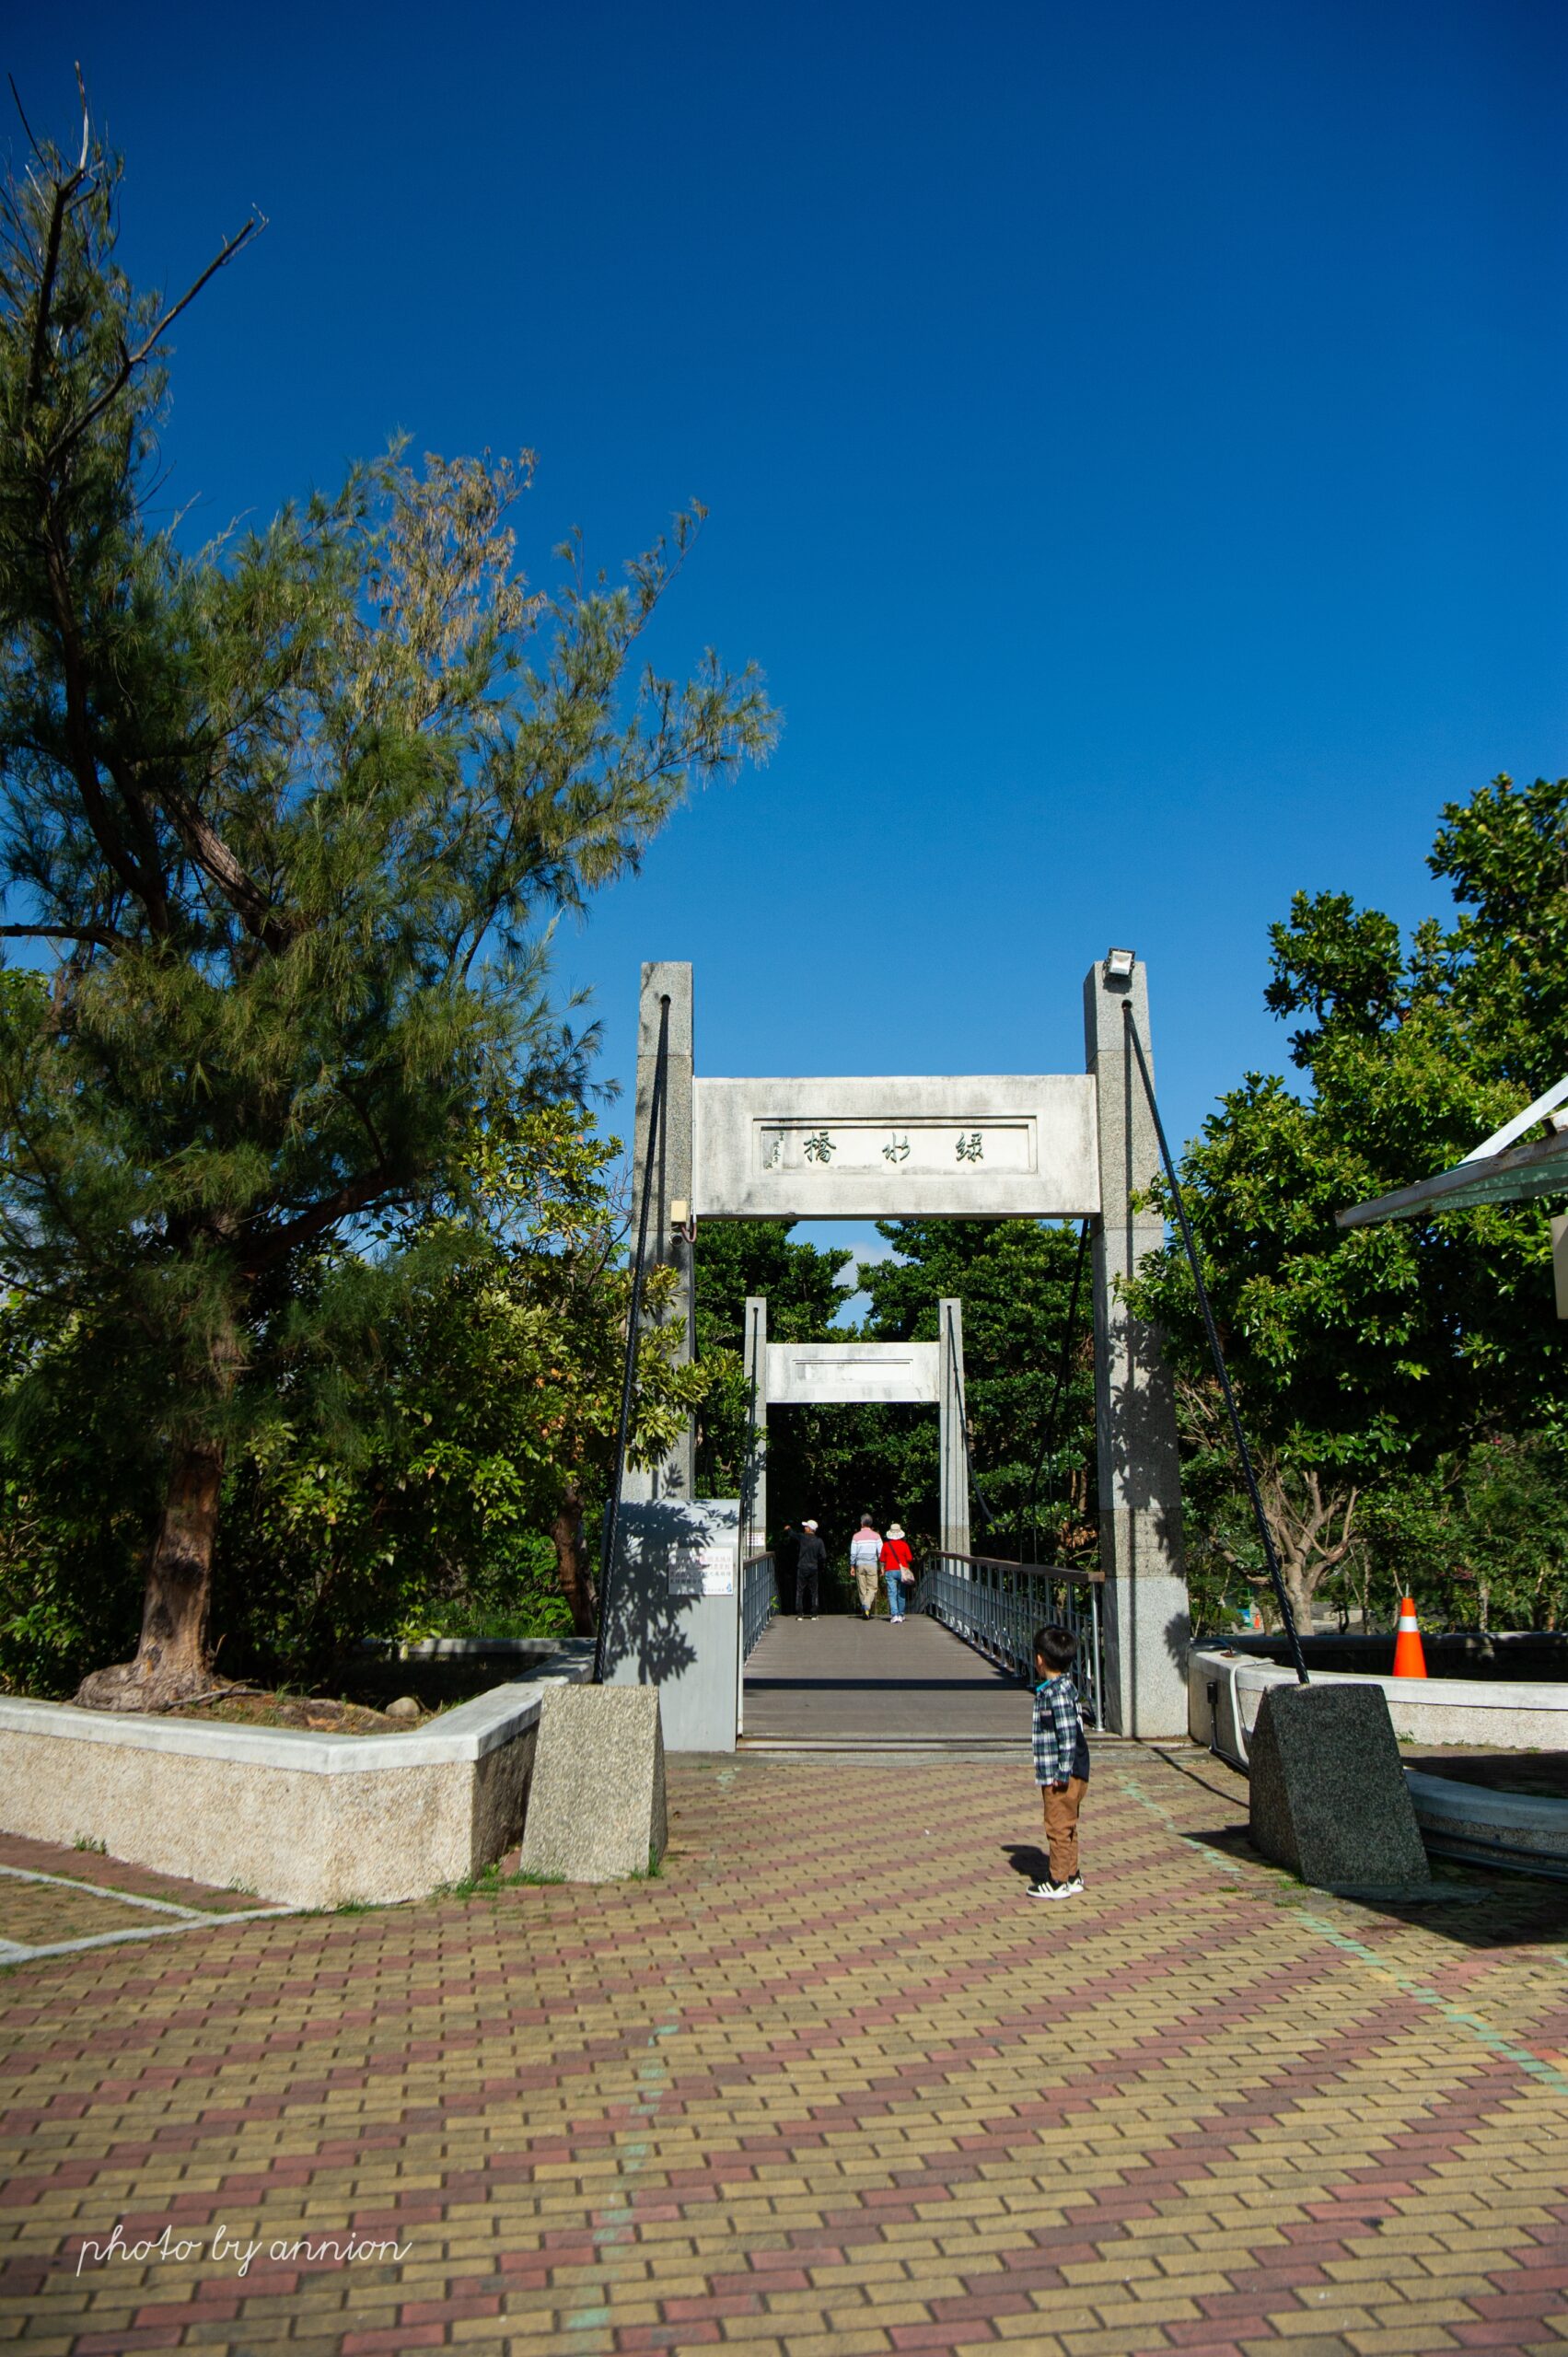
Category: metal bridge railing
[759,1599]
[997,1607]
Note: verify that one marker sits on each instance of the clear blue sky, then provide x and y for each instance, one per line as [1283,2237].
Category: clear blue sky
[1135,439]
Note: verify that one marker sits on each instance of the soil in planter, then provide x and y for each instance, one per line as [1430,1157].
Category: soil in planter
[313,1713]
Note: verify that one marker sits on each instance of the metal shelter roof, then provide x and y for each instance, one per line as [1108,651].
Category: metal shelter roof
[1498,1171]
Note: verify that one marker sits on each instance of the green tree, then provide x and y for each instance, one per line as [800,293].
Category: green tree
[439,1430]
[288,815]
[1372,1355]
[476,1411]
[1486,1530]
[1034,1486]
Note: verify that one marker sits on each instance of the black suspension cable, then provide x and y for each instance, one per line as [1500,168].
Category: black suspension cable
[1286,1614]
[634,1321]
[1062,1369]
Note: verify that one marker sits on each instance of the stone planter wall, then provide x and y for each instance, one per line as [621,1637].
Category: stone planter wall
[1224,1688]
[313,1820]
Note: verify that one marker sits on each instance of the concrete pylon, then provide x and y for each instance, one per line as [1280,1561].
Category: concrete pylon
[954,1501]
[1146,1626]
[670,1216]
[754,1473]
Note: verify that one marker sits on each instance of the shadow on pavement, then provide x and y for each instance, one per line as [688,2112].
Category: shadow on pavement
[1506,1909]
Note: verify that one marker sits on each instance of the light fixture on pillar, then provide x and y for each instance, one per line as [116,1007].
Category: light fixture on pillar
[1119,966]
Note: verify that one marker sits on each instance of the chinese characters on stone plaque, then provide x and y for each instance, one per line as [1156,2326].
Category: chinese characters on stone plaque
[901,1149]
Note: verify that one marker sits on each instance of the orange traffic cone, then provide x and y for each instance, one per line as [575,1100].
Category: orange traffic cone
[1410,1661]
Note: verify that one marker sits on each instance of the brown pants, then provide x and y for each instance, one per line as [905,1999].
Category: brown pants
[1061,1826]
[867,1580]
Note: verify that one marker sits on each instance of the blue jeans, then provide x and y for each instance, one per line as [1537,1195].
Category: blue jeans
[895,1595]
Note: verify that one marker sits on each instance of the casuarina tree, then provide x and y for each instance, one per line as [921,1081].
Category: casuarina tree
[282,823]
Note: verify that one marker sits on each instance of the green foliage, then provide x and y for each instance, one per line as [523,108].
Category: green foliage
[420,1442]
[736,1258]
[1015,1280]
[1483,1536]
[410,1481]
[1375,1362]
[79,1486]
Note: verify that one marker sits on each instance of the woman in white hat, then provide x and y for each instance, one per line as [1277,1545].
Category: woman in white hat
[898,1570]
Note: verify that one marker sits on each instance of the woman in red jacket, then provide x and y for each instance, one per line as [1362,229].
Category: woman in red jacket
[898,1570]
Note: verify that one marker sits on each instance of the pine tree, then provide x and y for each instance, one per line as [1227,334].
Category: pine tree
[283,820]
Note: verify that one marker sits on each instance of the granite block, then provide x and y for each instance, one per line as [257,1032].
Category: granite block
[597,1802]
[1328,1797]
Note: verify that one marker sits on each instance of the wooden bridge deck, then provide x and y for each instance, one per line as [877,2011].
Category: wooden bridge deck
[844,1680]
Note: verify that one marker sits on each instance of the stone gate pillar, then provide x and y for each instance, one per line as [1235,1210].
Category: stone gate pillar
[670,1213]
[954,1505]
[754,1473]
[1140,1491]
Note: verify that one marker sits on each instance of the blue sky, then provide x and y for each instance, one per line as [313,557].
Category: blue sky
[1134,439]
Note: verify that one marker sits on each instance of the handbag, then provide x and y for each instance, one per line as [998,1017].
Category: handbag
[907,1576]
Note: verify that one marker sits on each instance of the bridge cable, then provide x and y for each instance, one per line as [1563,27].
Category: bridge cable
[1269,1557]
[634,1321]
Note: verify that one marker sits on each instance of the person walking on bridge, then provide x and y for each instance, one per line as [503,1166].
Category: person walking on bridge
[865,1562]
[897,1569]
[809,1567]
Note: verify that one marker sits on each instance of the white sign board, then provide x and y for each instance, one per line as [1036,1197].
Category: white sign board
[701,1571]
[984,1147]
[803,1375]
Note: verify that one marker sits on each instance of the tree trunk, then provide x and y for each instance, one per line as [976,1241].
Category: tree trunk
[572,1562]
[172,1661]
[1302,1590]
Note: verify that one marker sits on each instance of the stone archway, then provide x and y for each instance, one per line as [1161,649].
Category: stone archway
[1075,1146]
[842,1374]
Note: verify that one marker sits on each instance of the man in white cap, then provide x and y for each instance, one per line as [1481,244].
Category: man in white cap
[809,1566]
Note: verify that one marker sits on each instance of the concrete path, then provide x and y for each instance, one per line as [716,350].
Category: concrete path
[829,2086]
[842,1679]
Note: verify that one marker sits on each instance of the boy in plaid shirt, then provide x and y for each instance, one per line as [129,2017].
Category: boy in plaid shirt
[1061,1759]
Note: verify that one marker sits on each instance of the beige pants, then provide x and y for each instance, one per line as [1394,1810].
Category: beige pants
[1061,1826]
[866,1579]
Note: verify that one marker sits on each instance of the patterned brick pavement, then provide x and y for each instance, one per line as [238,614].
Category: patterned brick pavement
[828,2086]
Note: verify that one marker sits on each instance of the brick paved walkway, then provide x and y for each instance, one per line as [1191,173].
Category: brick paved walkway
[828,2086]
[55,1899]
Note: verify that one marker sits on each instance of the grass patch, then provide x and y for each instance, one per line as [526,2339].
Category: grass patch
[489,1882]
[486,1884]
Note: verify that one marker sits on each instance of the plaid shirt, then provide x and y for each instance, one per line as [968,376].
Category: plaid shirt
[1061,1748]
